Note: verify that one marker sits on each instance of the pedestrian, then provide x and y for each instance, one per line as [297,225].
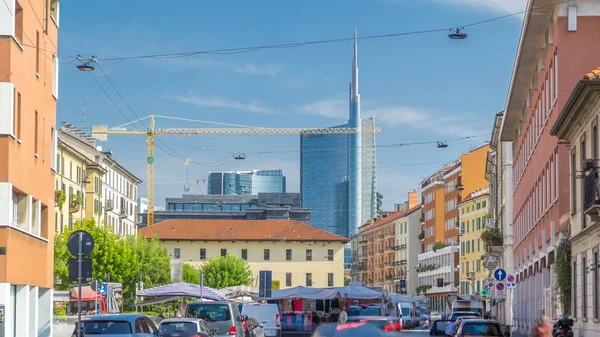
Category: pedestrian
[443,314]
[542,328]
[452,326]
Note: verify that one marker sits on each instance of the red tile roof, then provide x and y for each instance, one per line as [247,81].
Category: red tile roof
[470,197]
[389,218]
[593,75]
[238,230]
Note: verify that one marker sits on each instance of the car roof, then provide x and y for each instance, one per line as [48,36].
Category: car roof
[180,319]
[212,302]
[114,317]
[480,321]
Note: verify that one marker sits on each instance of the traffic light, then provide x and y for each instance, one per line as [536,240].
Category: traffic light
[440,282]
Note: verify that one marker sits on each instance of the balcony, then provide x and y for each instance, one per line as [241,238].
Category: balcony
[401,247]
[363,242]
[123,214]
[591,196]
[390,249]
[380,236]
[109,206]
[390,235]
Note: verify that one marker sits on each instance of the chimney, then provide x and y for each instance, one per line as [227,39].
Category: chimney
[412,199]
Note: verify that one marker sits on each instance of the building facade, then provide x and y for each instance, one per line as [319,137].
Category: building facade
[557,45]
[578,125]
[338,172]
[297,254]
[28,152]
[246,182]
[112,190]
[264,206]
[473,218]
[383,252]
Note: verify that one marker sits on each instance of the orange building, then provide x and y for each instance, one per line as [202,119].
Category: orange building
[28,94]
[441,192]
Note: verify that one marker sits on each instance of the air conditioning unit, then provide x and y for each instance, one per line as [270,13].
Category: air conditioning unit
[109,205]
[461,232]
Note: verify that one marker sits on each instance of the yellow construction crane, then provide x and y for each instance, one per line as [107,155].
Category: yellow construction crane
[101,133]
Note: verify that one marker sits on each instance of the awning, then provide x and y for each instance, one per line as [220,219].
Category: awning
[303,293]
[358,293]
[182,289]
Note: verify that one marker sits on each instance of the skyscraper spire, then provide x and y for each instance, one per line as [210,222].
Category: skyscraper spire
[355,67]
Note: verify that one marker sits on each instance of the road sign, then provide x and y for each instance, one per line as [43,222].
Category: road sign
[103,289]
[484,293]
[490,285]
[87,244]
[511,281]
[499,274]
[500,289]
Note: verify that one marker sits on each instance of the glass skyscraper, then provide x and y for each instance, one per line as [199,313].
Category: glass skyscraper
[246,182]
[338,172]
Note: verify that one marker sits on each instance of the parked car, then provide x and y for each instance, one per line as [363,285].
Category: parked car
[123,325]
[384,323]
[267,315]
[184,327]
[438,328]
[222,318]
[253,327]
[480,328]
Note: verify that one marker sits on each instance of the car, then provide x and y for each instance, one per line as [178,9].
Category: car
[184,327]
[384,323]
[253,327]
[267,315]
[222,318]
[121,325]
[438,327]
[480,328]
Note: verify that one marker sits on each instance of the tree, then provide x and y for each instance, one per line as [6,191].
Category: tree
[226,271]
[124,260]
[191,274]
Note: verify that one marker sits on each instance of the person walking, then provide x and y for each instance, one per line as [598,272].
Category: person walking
[542,328]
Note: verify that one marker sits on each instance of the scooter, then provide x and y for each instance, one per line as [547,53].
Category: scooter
[562,328]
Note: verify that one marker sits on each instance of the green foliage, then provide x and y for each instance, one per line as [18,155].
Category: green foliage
[423,289]
[346,281]
[60,197]
[422,236]
[563,276]
[429,267]
[226,271]
[191,274]
[126,260]
[492,237]
[438,245]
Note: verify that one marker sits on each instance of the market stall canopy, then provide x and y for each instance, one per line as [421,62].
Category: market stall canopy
[304,293]
[357,293]
[183,290]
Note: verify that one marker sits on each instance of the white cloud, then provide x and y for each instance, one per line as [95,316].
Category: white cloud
[242,68]
[220,102]
[332,107]
[502,6]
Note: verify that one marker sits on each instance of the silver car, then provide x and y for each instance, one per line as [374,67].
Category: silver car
[184,327]
[222,318]
[124,325]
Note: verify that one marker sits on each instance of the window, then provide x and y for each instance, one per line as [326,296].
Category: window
[288,279]
[17,120]
[176,253]
[584,293]
[19,22]
[35,136]
[245,254]
[55,76]
[573,181]
[582,163]
[267,254]
[329,254]
[288,255]
[223,251]
[596,279]
[202,253]
[53,155]
[594,149]
[309,281]
[54,11]
[330,279]
[309,255]
[37,53]
[574,288]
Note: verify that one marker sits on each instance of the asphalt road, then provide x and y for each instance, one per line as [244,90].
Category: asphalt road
[418,332]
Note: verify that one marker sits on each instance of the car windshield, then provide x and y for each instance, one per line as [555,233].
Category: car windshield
[209,312]
[405,312]
[87,307]
[371,311]
[178,327]
[441,325]
[106,327]
[485,329]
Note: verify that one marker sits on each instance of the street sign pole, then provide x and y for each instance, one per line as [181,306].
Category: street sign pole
[201,286]
[79,276]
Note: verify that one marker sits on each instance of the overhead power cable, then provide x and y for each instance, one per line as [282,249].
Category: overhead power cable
[240,50]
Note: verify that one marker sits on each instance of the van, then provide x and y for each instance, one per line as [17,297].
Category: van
[222,318]
[267,315]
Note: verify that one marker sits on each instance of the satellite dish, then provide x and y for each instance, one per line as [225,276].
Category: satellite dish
[99,148]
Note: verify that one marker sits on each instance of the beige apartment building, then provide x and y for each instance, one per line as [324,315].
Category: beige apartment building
[28,95]
[297,254]
[578,124]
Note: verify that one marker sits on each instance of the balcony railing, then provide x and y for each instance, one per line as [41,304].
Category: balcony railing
[363,242]
[390,235]
[591,193]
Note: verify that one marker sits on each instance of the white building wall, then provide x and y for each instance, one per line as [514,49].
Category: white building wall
[27,311]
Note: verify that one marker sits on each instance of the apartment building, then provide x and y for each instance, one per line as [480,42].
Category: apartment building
[28,95]
[111,189]
[384,251]
[473,218]
[557,45]
[441,193]
[296,253]
[578,125]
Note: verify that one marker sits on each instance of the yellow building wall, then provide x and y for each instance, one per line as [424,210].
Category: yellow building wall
[472,218]
[69,181]
[473,170]
[94,207]
[440,213]
[319,267]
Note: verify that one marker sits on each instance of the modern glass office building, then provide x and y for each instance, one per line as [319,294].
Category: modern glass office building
[246,182]
[338,172]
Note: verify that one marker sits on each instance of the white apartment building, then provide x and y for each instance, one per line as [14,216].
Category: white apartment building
[408,228]
[438,265]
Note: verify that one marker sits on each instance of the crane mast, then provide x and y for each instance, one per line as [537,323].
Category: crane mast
[101,132]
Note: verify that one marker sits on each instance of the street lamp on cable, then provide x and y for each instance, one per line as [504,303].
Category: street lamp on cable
[85,66]
[457,34]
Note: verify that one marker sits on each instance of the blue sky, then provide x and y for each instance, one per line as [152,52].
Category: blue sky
[419,88]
